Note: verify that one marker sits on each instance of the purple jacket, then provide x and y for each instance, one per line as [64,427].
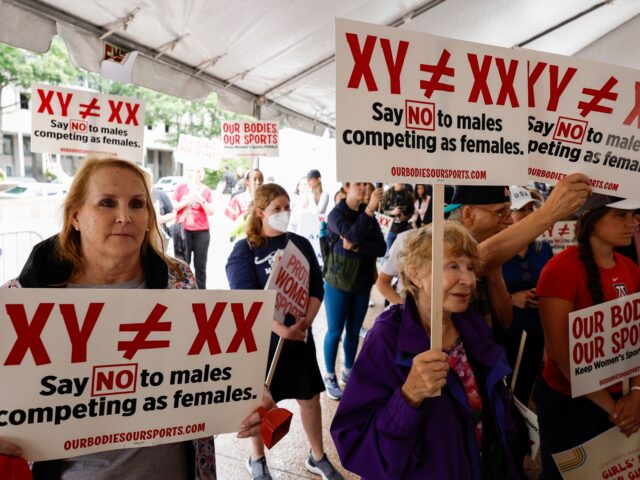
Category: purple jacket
[378,435]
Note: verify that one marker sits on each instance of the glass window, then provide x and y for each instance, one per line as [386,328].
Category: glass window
[26,144]
[7,145]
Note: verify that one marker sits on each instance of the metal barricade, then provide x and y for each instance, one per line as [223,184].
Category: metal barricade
[15,248]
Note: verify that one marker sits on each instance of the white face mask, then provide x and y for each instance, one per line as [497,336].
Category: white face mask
[279,221]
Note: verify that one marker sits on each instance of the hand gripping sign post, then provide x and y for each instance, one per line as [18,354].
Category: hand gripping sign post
[413,107]
[79,122]
[109,369]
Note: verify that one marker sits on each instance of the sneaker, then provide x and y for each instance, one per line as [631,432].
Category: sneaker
[334,391]
[258,469]
[323,468]
[344,378]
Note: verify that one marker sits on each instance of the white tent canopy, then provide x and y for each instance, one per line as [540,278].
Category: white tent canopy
[274,59]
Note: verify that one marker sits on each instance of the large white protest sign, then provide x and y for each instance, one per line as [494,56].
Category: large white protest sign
[79,122]
[245,138]
[610,456]
[584,117]
[90,370]
[290,278]
[604,342]
[414,107]
[197,151]
[560,235]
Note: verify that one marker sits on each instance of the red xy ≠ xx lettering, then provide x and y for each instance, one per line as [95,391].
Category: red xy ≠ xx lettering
[140,342]
[362,62]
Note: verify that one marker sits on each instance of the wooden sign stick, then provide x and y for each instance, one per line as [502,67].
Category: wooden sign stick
[437,262]
[516,369]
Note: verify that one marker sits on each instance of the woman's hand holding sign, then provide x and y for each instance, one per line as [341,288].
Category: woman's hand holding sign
[427,376]
[9,449]
[626,413]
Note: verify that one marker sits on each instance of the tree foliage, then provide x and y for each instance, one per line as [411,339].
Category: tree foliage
[201,119]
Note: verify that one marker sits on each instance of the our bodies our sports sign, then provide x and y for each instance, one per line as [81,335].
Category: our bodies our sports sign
[89,370]
[80,122]
[414,107]
[604,344]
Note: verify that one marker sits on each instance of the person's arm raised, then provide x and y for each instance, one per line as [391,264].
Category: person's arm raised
[567,196]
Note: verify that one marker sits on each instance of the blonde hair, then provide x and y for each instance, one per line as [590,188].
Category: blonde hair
[416,254]
[68,245]
[317,191]
[265,194]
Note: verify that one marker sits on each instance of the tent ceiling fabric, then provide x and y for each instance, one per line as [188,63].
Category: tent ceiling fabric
[279,53]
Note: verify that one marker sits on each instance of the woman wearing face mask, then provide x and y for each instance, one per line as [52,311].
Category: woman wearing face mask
[297,374]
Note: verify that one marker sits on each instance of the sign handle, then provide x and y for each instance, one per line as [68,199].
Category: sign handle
[516,369]
[274,362]
[437,261]
[626,387]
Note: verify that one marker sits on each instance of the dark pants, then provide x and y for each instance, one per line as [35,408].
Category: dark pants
[564,423]
[198,244]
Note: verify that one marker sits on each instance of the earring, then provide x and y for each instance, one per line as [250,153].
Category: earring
[147,229]
[77,229]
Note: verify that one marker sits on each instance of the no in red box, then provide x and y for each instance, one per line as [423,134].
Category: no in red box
[570,130]
[419,115]
[120,378]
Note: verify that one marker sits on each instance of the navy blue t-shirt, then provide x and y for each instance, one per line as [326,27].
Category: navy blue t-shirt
[249,268]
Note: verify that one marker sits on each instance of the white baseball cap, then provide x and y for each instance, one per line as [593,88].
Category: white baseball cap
[520,197]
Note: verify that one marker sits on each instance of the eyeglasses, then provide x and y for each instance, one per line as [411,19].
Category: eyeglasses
[502,213]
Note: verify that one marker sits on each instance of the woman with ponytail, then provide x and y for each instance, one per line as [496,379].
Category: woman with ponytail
[297,374]
[579,277]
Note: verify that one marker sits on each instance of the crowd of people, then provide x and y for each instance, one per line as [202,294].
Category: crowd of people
[405,410]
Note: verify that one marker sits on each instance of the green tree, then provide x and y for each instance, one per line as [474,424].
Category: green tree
[202,119]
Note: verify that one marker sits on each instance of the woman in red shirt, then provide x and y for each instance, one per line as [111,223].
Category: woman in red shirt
[192,210]
[579,277]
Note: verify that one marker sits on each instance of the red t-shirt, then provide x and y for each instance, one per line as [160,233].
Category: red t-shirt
[238,206]
[200,218]
[564,277]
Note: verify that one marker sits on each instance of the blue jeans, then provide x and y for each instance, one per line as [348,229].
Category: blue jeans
[345,311]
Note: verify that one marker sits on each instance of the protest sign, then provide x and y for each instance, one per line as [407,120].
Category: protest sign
[584,117]
[531,420]
[79,122]
[604,343]
[96,369]
[385,222]
[197,151]
[413,107]
[560,235]
[245,138]
[610,456]
[290,278]
[309,227]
